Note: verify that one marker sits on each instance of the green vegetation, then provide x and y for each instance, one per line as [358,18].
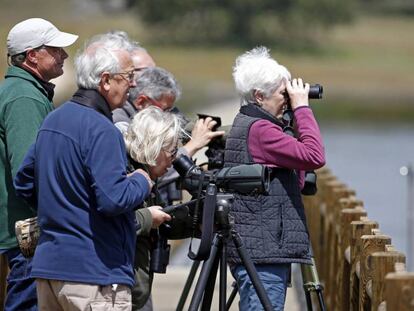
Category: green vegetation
[366,68]
[243,22]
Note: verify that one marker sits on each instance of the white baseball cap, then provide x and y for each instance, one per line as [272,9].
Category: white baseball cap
[35,32]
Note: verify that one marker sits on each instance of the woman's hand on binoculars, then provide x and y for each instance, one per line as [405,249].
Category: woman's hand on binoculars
[158,216]
[298,93]
[202,134]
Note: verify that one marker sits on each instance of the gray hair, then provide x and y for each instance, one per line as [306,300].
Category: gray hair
[155,82]
[18,59]
[98,56]
[135,45]
[256,70]
[150,131]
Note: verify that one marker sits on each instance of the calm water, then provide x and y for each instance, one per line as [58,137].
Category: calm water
[368,160]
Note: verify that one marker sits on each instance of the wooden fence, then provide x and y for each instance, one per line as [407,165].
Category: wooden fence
[357,263]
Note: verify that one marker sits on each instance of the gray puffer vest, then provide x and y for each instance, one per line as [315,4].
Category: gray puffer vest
[272,226]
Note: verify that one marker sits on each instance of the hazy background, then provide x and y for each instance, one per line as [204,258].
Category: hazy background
[365,63]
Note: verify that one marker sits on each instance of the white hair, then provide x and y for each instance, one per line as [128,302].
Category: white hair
[99,55]
[256,70]
[150,131]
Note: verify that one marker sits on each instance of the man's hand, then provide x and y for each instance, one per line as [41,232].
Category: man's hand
[158,216]
[143,173]
[202,135]
[298,93]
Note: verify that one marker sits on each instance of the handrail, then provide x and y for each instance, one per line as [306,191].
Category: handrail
[356,261]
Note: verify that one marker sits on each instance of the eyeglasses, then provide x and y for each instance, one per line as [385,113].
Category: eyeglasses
[172,153]
[130,75]
[51,49]
[140,69]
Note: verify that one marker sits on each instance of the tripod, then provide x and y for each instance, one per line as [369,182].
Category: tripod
[208,274]
[218,257]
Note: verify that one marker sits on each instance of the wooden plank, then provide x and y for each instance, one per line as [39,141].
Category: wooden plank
[381,263]
[370,244]
[343,276]
[399,291]
[358,229]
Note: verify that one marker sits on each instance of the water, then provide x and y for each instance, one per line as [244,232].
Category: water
[368,160]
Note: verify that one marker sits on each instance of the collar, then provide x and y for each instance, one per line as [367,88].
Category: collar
[45,87]
[93,99]
[253,110]
[129,109]
[48,86]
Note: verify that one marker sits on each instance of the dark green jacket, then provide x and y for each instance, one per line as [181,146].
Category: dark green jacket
[23,106]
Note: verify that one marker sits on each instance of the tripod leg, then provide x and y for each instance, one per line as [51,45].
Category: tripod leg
[204,274]
[320,299]
[308,300]
[187,286]
[232,296]
[251,271]
[211,282]
[223,277]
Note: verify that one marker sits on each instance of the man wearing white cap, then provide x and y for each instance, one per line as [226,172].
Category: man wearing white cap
[35,52]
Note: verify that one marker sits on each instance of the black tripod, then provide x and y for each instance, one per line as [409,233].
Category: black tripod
[218,257]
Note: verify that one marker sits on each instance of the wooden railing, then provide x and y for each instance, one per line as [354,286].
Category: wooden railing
[357,264]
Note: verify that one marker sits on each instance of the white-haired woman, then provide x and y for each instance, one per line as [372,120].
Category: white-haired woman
[273,225]
[151,141]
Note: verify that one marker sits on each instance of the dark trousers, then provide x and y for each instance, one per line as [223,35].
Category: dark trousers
[21,289]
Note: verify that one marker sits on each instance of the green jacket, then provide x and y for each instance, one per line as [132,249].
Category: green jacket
[23,106]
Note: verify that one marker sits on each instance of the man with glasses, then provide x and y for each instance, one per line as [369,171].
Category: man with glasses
[157,87]
[85,198]
[35,55]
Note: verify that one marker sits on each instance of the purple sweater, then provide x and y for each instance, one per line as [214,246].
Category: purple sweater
[268,144]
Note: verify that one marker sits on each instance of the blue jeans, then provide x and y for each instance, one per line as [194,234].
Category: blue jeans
[274,278]
[21,289]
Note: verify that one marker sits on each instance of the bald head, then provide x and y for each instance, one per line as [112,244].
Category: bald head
[142,59]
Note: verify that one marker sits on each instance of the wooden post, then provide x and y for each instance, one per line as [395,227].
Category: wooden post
[358,229]
[370,244]
[381,263]
[329,244]
[399,291]
[339,195]
[343,276]
[321,235]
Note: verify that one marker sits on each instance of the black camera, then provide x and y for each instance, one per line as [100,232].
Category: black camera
[244,179]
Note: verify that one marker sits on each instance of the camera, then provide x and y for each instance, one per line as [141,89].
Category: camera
[244,179]
[204,185]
